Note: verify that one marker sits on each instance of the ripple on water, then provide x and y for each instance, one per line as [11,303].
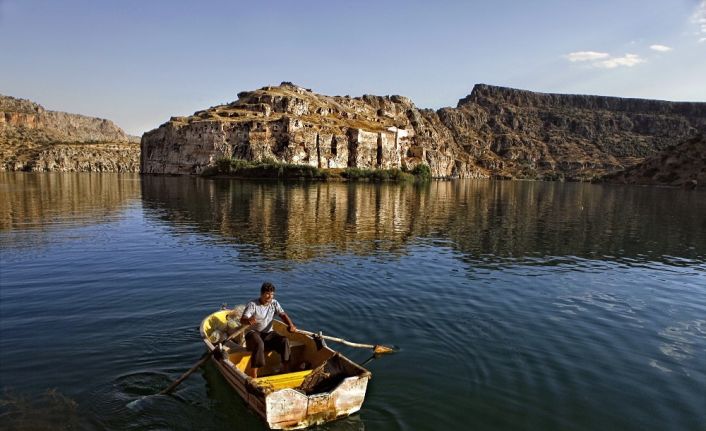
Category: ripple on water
[50,409]
[682,340]
[506,318]
[131,403]
[140,384]
[602,302]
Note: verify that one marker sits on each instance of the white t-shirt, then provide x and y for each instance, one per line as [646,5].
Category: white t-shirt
[264,314]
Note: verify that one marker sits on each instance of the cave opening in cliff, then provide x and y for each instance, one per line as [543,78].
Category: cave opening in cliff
[318,152]
[379,154]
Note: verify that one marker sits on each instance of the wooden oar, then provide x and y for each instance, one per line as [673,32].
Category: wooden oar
[377,348]
[201,361]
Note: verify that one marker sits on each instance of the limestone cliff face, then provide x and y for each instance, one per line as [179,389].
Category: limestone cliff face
[494,131]
[295,125]
[535,135]
[34,139]
[680,165]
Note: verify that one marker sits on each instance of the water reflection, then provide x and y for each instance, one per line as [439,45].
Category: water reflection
[32,200]
[48,410]
[488,221]
[585,328]
[34,205]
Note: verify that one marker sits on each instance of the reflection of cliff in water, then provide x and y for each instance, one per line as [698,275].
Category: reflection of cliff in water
[50,201]
[298,222]
[525,220]
[485,220]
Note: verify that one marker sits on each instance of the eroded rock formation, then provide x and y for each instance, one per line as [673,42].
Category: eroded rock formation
[681,165]
[34,139]
[494,131]
[295,125]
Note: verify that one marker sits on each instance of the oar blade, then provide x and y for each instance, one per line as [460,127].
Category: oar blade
[381,350]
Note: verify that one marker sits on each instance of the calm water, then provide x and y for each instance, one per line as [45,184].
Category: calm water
[516,305]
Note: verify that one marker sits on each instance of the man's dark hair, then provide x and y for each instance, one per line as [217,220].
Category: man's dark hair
[267,287]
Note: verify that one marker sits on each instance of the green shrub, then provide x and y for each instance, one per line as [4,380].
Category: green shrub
[269,168]
[422,172]
[356,173]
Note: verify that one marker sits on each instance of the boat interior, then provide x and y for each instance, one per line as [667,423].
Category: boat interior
[307,355]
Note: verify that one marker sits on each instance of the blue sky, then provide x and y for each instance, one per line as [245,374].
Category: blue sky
[140,62]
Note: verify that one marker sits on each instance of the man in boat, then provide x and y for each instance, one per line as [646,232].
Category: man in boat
[259,314]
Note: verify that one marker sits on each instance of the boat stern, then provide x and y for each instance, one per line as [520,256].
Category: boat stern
[292,409]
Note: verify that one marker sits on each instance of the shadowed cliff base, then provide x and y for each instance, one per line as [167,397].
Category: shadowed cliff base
[682,165]
[272,169]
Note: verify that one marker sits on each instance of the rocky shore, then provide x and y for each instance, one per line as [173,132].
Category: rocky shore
[34,139]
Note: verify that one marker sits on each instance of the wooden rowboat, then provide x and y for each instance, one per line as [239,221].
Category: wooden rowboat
[323,386]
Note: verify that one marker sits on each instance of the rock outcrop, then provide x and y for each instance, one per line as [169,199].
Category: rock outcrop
[34,139]
[681,165]
[295,125]
[539,135]
[493,132]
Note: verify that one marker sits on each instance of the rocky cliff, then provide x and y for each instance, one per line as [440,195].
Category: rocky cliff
[573,136]
[34,139]
[678,165]
[493,132]
[295,125]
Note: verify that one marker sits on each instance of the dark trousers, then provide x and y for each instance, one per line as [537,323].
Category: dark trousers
[259,342]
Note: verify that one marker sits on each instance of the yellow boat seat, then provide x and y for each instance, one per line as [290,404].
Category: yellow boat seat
[281,381]
[240,359]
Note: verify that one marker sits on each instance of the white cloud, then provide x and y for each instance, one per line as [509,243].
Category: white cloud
[603,60]
[702,40]
[660,48]
[699,18]
[628,60]
[586,56]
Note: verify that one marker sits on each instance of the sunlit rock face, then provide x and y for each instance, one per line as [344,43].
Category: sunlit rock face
[34,139]
[494,131]
[292,124]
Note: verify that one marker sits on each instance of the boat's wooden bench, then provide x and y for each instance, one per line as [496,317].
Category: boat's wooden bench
[240,357]
[281,381]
